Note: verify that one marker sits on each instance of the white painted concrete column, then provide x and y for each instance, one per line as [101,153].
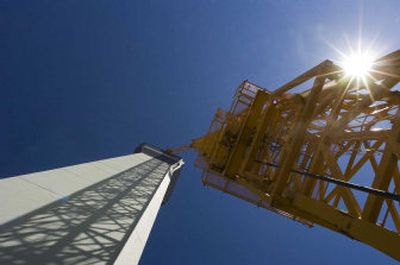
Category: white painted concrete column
[94,213]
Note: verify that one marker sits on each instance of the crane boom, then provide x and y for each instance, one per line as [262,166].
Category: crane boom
[326,155]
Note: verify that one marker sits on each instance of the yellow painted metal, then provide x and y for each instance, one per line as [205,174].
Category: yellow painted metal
[266,147]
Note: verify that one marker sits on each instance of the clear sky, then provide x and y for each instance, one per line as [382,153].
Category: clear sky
[87,80]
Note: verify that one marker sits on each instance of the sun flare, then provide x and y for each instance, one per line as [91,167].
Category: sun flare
[358,65]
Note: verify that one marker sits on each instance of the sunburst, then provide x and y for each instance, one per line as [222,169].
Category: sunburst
[357,66]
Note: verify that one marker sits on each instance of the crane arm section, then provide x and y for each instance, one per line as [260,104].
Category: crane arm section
[326,155]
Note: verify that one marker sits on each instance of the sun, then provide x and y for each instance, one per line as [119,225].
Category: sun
[358,65]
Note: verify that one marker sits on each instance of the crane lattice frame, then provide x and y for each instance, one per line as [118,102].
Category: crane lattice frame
[327,155]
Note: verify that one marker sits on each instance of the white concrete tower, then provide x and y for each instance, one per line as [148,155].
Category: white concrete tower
[94,213]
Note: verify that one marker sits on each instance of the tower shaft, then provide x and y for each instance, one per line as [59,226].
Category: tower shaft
[94,213]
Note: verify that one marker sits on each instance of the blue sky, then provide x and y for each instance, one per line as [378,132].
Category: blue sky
[87,80]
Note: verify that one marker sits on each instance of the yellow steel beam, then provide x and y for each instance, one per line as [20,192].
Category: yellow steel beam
[384,175]
[298,132]
[249,126]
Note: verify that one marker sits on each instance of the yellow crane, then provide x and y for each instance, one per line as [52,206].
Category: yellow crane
[326,154]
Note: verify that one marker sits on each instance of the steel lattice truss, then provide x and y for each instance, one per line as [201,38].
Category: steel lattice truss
[324,155]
